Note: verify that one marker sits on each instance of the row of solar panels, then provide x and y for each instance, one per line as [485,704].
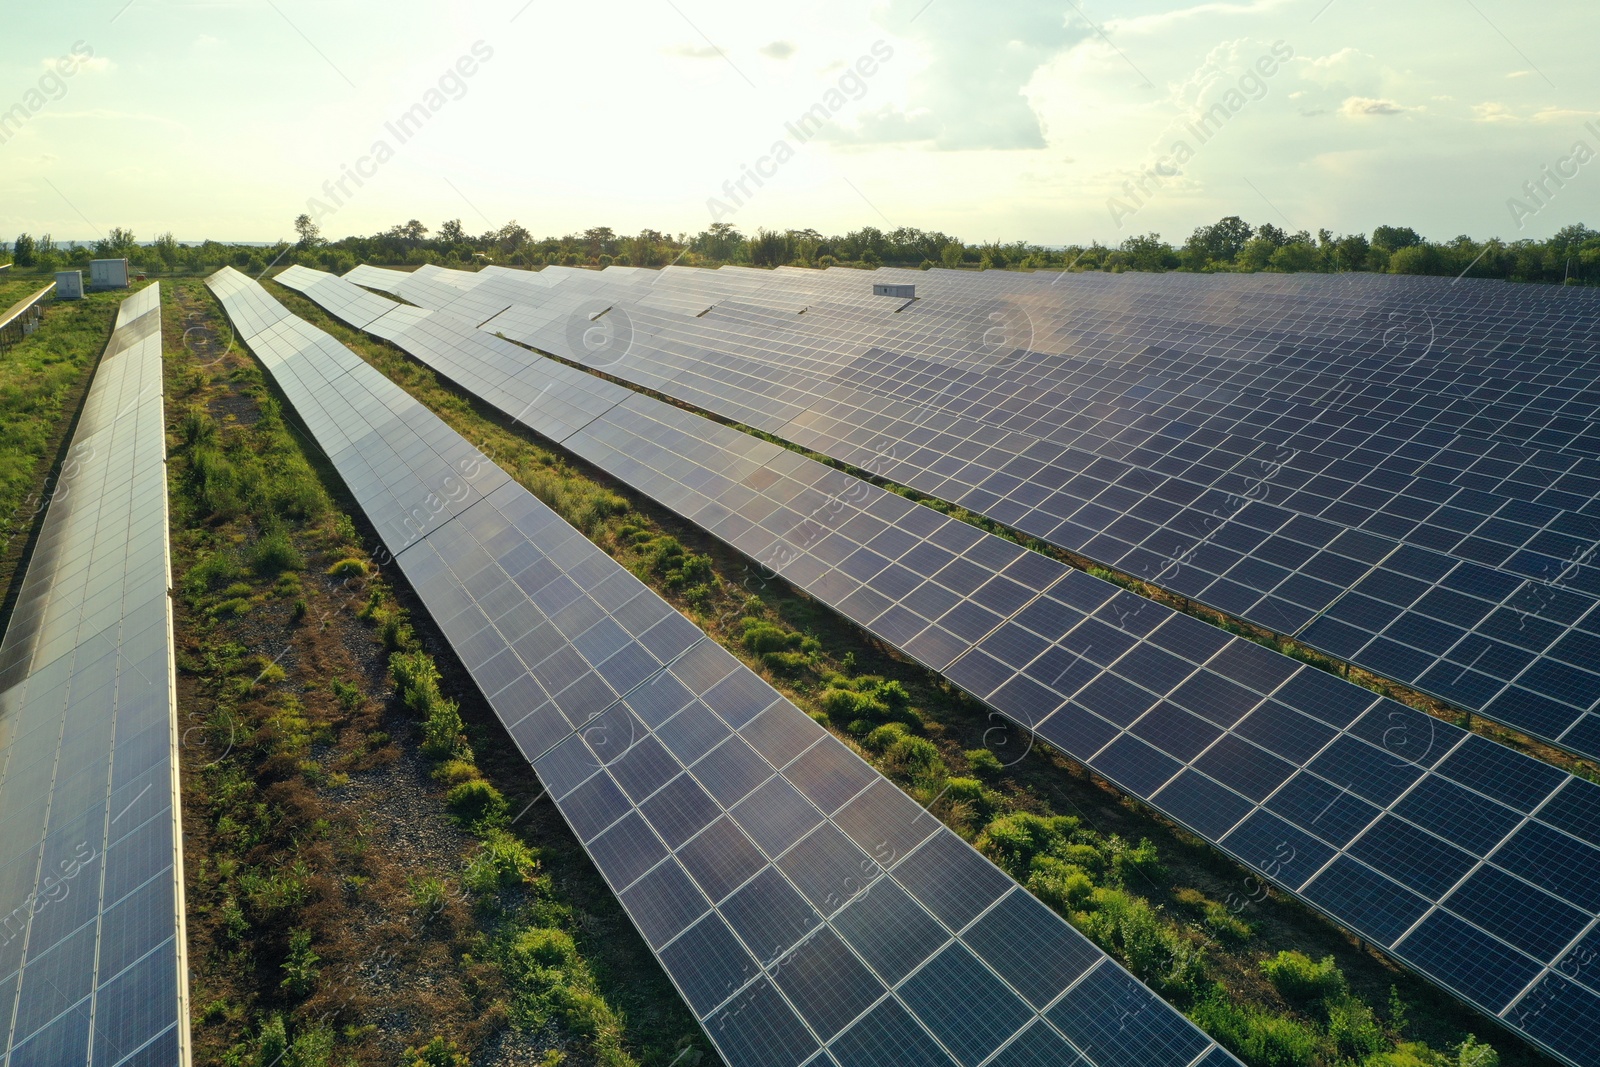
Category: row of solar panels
[92,967]
[806,909]
[1411,832]
[1161,506]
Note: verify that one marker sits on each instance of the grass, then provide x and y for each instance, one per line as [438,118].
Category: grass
[1183,917]
[318,932]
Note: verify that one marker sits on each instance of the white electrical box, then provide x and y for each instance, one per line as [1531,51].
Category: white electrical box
[903,292]
[69,285]
[108,274]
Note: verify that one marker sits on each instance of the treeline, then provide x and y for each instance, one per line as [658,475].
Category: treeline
[1571,256]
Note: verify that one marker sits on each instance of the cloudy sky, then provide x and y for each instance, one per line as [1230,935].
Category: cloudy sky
[987,120]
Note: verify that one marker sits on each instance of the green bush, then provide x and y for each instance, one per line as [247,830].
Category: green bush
[1013,841]
[983,762]
[1353,1029]
[1064,886]
[545,948]
[967,791]
[1140,860]
[348,568]
[1259,1038]
[272,1044]
[916,757]
[300,967]
[1303,982]
[436,1053]
[443,731]
[881,737]
[211,571]
[477,805]
[1131,930]
[417,678]
[500,862]
[275,553]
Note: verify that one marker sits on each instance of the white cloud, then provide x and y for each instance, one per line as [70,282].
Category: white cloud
[778,49]
[1489,111]
[1365,106]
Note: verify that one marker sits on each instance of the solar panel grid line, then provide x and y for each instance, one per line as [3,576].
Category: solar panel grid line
[1461,739]
[596,831]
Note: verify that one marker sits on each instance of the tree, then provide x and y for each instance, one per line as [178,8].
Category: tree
[1295,257]
[166,246]
[1415,259]
[1148,252]
[22,252]
[1351,252]
[1258,252]
[1222,240]
[310,233]
[601,241]
[952,254]
[771,249]
[1272,235]
[451,233]
[119,244]
[1394,238]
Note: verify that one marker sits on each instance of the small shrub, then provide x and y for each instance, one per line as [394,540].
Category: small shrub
[967,791]
[916,757]
[1354,1030]
[1303,982]
[454,772]
[1258,1038]
[501,862]
[300,968]
[436,1053]
[1013,841]
[428,896]
[348,568]
[545,948]
[275,553]
[1140,860]
[348,696]
[477,805]
[231,609]
[881,737]
[1064,886]
[272,1044]
[298,612]
[984,763]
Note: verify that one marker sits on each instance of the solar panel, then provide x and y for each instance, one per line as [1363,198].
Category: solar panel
[1256,543]
[734,830]
[1285,767]
[91,881]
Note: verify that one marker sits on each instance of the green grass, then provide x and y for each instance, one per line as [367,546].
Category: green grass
[42,380]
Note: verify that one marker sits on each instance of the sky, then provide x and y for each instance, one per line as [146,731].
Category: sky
[1051,121]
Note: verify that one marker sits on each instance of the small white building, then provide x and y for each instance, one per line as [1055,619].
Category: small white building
[108,274]
[69,285]
[902,292]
